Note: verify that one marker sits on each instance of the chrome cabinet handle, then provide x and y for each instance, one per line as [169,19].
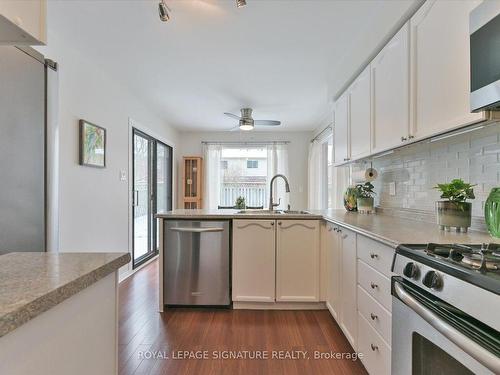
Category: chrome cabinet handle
[411,136]
[373,316]
[347,159]
[197,230]
[469,346]
[374,347]
[136,198]
[373,255]
[403,139]
[373,285]
[272,223]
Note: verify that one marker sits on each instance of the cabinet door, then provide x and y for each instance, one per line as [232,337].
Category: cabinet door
[23,22]
[440,67]
[360,115]
[390,93]
[334,271]
[297,257]
[341,130]
[254,260]
[348,289]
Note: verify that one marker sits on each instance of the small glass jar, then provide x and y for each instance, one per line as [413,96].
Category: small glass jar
[492,212]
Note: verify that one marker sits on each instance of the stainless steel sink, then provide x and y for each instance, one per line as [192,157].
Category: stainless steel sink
[259,212]
[300,212]
[274,212]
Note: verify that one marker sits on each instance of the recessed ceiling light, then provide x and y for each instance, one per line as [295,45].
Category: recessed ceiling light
[241,3]
[163,11]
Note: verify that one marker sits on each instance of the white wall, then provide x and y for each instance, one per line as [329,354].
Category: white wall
[190,145]
[94,203]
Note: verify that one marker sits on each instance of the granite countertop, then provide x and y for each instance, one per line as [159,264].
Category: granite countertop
[32,283]
[201,214]
[393,230]
[389,230]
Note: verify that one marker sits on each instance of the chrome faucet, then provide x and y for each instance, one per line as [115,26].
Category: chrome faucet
[287,188]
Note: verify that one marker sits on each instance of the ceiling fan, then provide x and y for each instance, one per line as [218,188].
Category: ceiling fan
[246,122]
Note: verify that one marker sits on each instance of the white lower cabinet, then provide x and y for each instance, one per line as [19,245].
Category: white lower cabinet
[254,260]
[276,260]
[359,294]
[376,353]
[348,283]
[297,257]
[332,246]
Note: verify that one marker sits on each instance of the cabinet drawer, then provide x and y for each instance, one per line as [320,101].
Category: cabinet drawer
[376,284]
[378,317]
[376,353]
[375,254]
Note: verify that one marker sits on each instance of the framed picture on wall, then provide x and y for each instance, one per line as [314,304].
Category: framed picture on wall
[92,145]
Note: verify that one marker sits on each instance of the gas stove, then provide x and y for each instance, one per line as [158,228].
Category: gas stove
[477,264]
[448,294]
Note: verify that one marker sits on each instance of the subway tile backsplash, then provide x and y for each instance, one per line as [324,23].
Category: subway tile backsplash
[416,169]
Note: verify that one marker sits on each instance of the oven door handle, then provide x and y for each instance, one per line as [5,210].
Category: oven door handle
[469,346]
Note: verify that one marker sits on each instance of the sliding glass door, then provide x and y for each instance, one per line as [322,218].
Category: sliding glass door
[152,193]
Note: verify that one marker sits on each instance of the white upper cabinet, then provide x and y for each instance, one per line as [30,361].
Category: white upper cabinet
[360,115]
[297,257]
[440,67]
[23,22]
[390,93]
[341,130]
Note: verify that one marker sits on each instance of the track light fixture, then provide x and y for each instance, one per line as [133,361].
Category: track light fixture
[241,3]
[163,11]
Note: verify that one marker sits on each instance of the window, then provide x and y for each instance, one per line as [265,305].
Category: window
[251,164]
[245,175]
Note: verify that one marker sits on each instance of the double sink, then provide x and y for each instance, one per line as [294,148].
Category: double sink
[274,212]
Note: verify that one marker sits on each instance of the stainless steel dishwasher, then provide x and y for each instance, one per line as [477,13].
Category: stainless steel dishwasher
[196,263]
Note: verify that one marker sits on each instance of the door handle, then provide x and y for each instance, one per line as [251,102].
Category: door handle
[136,198]
[197,230]
[466,344]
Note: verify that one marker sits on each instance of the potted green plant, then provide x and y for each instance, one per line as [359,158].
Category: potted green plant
[455,211]
[240,203]
[365,194]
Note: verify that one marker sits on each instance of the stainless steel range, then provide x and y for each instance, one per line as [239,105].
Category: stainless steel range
[446,309]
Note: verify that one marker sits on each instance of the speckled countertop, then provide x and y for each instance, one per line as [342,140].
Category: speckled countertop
[395,230]
[231,214]
[32,283]
[389,230]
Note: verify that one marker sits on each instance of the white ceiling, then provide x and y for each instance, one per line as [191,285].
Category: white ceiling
[285,59]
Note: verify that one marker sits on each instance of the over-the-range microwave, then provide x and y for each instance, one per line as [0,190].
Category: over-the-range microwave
[484,30]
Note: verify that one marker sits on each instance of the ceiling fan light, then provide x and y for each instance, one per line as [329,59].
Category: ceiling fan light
[246,127]
[163,11]
[241,3]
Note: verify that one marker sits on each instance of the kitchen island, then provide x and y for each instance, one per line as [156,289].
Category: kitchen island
[58,313]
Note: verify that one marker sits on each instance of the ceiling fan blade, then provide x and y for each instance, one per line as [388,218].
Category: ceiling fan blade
[234,129]
[267,122]
[232,116]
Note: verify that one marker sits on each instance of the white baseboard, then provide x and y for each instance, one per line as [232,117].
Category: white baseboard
[279,306]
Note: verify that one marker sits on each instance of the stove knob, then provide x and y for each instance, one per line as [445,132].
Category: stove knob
[411,270]
[433,280]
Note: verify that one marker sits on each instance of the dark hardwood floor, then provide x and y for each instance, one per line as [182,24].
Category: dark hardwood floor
[146,337]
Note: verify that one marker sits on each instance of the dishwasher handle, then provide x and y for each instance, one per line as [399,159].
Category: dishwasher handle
[196,230]
[466,344]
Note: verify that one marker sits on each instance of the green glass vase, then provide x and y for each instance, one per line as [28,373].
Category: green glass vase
[492,212]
